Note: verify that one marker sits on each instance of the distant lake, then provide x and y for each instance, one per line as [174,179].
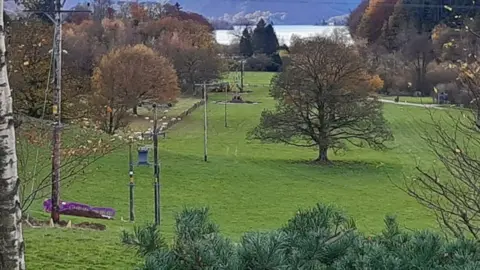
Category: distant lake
[284,32]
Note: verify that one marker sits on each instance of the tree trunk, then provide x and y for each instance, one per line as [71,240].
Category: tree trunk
[12,247]
[323,154]
[135,110]
[111,128]
[194,89]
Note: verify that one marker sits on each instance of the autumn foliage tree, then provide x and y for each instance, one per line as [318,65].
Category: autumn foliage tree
[324,101]
[138,13]
[375,16]
[355,17]
[187,32]
[191,48]
[176,11]
[127,76]
[193,65]
[376,83]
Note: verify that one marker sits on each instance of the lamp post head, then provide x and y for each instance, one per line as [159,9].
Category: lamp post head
[154,105]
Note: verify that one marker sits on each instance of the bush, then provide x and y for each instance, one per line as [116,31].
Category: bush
[318,238]
[258,62]
[263,62]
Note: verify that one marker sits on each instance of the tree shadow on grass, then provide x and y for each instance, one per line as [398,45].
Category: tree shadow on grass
[351,165]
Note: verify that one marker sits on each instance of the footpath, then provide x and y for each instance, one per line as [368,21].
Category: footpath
[428,106]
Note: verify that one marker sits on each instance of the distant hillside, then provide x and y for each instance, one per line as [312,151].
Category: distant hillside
[237,11]
[279,12]
[338,20]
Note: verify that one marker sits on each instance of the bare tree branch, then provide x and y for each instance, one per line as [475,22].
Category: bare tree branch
[82,148]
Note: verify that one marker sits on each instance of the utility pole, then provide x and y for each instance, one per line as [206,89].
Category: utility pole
[241,75]
[57,102]
[205,128]
[156,167]
[226,100]
[57,110]
[132,184]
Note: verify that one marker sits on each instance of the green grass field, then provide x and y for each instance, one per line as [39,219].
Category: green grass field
[247,185]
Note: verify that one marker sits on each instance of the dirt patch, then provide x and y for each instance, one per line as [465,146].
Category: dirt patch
[37,223]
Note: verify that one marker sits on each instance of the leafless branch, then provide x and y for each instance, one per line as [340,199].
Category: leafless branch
[452,188]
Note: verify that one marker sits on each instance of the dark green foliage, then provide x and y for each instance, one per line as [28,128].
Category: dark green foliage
[397,250]
[261,48]
[262,62]
[318,238]
[245,45]
[271,41]
[144,239]
[258,37]
[276,63]
[264,39]
[264,251]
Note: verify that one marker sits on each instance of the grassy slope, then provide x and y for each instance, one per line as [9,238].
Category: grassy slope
[248,186]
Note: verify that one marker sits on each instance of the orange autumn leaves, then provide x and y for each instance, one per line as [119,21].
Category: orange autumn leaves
[129,74]
[376,83]
[181,33]
[374,18]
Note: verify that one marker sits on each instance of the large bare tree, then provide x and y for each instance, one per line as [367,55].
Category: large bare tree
[324,100]
[419,52]
[12,247]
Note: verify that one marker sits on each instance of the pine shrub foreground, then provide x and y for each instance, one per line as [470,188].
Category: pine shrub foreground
[318,238]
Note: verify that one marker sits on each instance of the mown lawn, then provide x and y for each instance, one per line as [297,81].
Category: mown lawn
[247,185]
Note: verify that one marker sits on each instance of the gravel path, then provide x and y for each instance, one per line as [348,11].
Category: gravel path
[428,106]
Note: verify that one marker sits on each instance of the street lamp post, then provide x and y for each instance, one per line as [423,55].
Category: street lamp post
[156,166]
[132,184]
[225,108]
[205,122]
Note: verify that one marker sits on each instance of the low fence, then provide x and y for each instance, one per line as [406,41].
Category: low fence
[179,117]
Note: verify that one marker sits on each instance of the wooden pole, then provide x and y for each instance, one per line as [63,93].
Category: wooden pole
[205,128]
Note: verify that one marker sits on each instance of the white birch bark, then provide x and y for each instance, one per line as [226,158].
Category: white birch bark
[12,247]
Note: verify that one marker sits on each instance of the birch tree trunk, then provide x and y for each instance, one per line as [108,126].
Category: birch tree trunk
[12,247]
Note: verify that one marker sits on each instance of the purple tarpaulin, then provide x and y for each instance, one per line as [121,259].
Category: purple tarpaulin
[78,209]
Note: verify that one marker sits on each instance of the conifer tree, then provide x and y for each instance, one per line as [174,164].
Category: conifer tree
[246,43]
[258,37]
[271,40]
[318,238]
